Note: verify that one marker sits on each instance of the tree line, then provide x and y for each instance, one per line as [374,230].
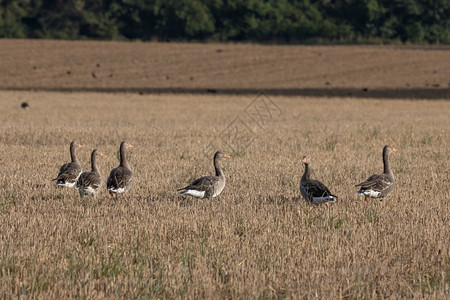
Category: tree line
[273,21]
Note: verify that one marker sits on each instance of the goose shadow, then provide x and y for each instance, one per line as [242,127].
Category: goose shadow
[409,93]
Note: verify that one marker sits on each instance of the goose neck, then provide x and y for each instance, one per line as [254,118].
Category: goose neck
[73,155]
[94,162]
[307,173]
[386,164]
[217,167]
[123,158]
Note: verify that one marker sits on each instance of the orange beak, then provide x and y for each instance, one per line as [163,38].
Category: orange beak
[102,154]
[130,145]
[394,149]
[226,155]
[304,160]
[80,146]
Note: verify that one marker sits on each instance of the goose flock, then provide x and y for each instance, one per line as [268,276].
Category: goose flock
[89,183]
[378,186]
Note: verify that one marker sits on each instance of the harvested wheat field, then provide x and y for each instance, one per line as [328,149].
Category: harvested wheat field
[258,239]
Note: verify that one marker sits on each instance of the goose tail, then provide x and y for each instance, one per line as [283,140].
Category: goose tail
[181,191]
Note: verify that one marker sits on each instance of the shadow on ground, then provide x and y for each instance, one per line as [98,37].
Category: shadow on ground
[400,93]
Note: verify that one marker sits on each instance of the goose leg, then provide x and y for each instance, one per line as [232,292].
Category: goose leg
[329,208]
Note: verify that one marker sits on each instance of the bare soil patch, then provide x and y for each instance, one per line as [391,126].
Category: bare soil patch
[340,71]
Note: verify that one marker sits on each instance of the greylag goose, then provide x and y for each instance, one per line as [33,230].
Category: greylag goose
[314,191]
[69,172]
[89,182]
[379,186]
[208,186]
[120,178]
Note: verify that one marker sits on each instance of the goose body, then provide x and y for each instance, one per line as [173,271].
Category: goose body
[89,183]
[68,173]
[208,186]
[314,191]
[379,186]
[120,179]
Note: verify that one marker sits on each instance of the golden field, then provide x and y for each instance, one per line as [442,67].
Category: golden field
[258,239]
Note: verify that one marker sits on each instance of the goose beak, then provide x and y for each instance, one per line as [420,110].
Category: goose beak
[130,145]
[394,149]
[103,154]
[226,155]
[80,146]
[304,159]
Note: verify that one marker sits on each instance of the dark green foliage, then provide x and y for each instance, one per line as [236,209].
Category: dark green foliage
[302,21]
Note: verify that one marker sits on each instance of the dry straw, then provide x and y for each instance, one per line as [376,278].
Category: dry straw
[257,239]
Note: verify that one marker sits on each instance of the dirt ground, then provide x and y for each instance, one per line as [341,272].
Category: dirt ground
[361,71]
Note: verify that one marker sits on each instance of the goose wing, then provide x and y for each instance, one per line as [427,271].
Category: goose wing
[205,184]
[315,188]
[376,182]
[119,178]
[68,172]
[63,169]
[89,179]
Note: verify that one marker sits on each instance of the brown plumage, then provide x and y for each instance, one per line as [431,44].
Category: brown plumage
[69,172]
[89,183]
[314,191]
[120,178]
[208,186]
[379,186]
